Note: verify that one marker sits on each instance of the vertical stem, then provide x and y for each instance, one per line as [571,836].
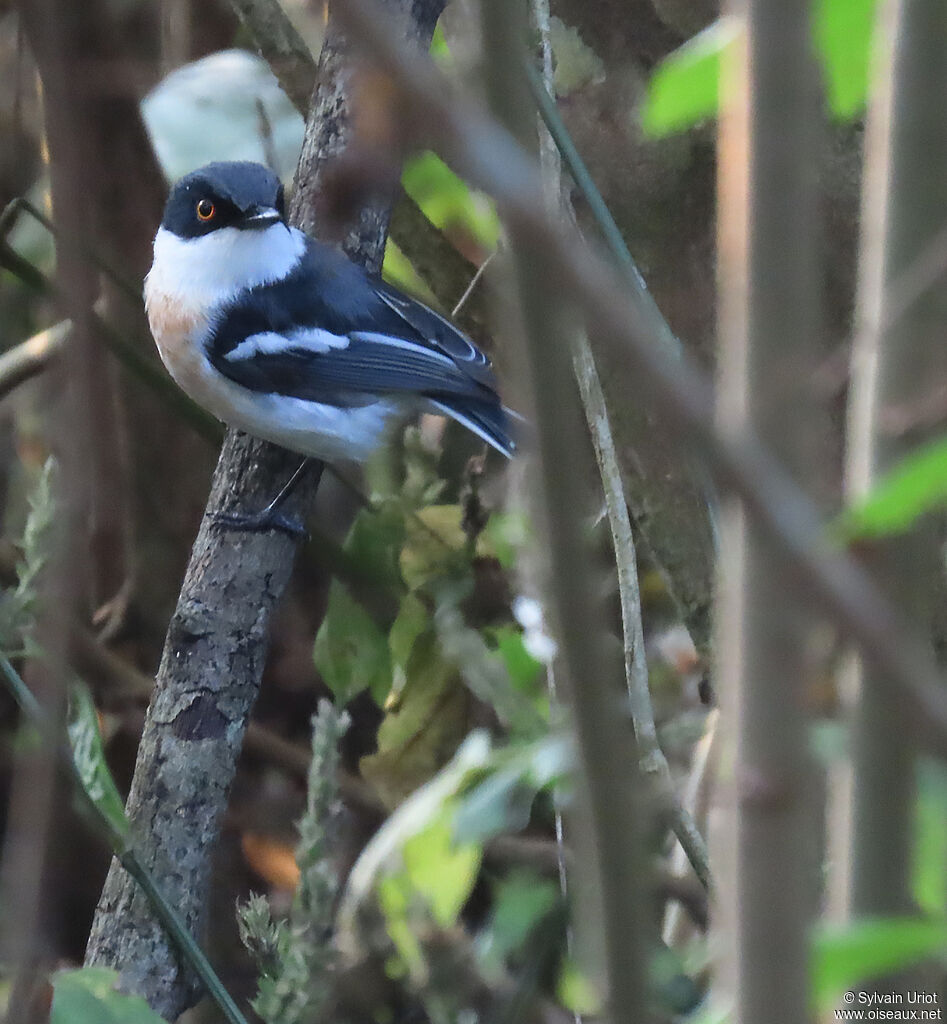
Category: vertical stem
[894,366]
[592,681]
[68,394]
[769,346]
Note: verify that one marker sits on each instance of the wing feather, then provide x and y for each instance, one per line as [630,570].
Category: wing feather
[331,333]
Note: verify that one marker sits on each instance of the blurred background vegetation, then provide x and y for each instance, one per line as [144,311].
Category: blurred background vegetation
[422,851]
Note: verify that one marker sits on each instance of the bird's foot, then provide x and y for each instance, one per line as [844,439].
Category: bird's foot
[261,522]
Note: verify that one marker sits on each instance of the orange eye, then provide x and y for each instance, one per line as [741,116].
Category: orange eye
[205,209]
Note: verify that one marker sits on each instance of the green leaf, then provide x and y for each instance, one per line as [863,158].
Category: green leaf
[500,803]
[520,902]
[350,651]
[442,870]
[434,545]
[713,1015]
[684,89]
[843,958]
[576,63]
[89,757]
[412,620]
[930,845]
[375,540]
[506,534]
[422,731]
[380,867]
[522,668]
[439,50]
[843,33]
[501,800]
[397,269]
[394,898]
[915,486]
[576,992]
[447,201]
[88,996]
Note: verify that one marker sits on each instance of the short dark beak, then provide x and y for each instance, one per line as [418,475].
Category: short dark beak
[260,217]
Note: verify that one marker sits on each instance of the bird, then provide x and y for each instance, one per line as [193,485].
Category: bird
[285,338]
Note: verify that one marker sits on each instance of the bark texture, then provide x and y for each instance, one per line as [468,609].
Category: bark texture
[216,643]
[770,346]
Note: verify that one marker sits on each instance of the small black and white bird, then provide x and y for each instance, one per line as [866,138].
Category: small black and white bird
[288,340]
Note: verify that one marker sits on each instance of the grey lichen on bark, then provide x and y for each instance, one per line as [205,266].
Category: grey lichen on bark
[215,647]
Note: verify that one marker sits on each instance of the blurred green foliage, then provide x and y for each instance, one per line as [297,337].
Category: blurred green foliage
[844,957]
[685,88]
[449,204]
[916,486]
[930,838]
[89,996]
[88,754]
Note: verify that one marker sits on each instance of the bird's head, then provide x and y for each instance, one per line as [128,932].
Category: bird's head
[224,230]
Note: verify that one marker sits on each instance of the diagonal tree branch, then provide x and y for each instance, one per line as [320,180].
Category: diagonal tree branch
[491,160]
[671,505]
[216,643]
[608,779]
[555,141]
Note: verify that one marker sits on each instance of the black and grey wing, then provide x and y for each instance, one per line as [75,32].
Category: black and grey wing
[332,334]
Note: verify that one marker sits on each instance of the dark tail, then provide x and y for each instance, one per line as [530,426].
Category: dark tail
[488,420]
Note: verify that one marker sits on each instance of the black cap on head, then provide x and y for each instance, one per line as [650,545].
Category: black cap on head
[224,194]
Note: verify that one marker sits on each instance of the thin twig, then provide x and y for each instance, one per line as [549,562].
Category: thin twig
[121,847]
[8,218]
[897,351]
[651,757]
[489,157]
[468,291]
[696,799]
[653,762]
[128,353]
[551,169]
[607,764]
[542,94]
[24,361]
[281,46]
[918,277]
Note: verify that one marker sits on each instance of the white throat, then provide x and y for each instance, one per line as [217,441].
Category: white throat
[208,271]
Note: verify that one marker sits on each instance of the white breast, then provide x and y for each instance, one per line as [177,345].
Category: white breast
[212,269]
[180,307]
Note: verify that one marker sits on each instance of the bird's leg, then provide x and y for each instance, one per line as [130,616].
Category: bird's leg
[269,518]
